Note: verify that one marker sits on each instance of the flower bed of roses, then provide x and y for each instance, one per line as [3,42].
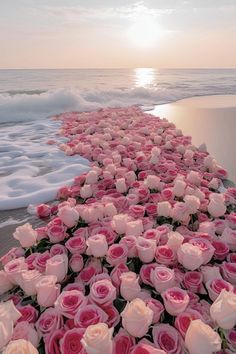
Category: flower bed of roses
[137,256]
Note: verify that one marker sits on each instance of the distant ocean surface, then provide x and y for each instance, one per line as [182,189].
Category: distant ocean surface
[34,94]
[31,171]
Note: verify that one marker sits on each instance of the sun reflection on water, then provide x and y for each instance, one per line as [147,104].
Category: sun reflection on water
[144,77]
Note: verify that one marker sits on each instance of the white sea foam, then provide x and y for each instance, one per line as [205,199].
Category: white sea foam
[31,171]
[23,107]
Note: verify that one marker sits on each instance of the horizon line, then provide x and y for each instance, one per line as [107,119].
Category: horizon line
[123,68]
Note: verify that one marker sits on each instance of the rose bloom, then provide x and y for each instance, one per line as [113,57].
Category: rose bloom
[215,287]
[43,210]
[190,256]
[201,338]
[175,240]
[102,293]
[193,281]
[216,207]
[5,283]
[68,302]
[137,211]
[89,315]
[116,274]
[76,244]
[145,348]
[87,274]
[29,280]
[157,308]
[20,346]
[129,288]
[221,250]
[97,339]
[116,254]
[57,265]
[70,343]
[229,272]
[107,232]
[229,236]
[26,235]
[47,290]
[152,234]
[184,319]
[162,278]
[14,268]
[146,249]
[164,209]
[57,249]
[8,317]
[123,342]
[56,232]
[167,338]
[28,313]
[223,310]
[113,316]
[165,255]
[68,215]
[25,330]
[231,339]
[48,322]
[205,246]
[151,209]
[175,300]
[134,228]
[86,191]
[136,318]
[130,243]
[97,245]
[13,253]
[76,263]
[210,273]
[119,223]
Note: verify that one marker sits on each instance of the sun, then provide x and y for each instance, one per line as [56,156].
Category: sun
[144,33]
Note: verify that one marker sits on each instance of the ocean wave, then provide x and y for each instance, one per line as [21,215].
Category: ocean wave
[37,105]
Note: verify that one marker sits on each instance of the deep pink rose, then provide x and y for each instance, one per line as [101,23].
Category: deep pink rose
[193,281]
[57,249]
[52,342]
[145,273]
[43,210]
[168,339]
[123,342]
[221,250]
[76,244]
[49,321]
[130,243]
[116,254]
[56,233]
[165,255]
[28,313]
[70,343]
[184,319]
[89,315]
[137,211]
[68,303]
[87,274]
[40,261]
[113,316]
[151,209]
[175,300]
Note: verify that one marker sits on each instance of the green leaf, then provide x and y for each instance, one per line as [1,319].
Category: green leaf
[228,183]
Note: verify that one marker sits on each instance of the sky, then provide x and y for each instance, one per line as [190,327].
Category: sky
[117,33]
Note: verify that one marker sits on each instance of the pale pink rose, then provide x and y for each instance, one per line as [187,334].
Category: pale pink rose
[116,254]
[192,202]
[76,244]
[220,225]
[132,198]
[20,346]
[205,246]
[119,223]
[129,287]
[110,209]
[13,253]
[43,210]
[121,186]
[201,338]
[216,207]
[76,262]
[210,273]
[184,319]
[102,293]
[152,234]
[57,249]
[14,268]
[69,216]
[137,211]
[229,237]
[106,231]
[179,188]
[97,245]
[134,228]
[190,256]
[28,313]
[231,258]
[229,272]
[26,235]
[194,178]
[165,255]
[97,339]
[58,266]
[28,281]
[92,177]
[207,227]
[175,240]
[193,281]
[180,212]
[136,318]
[49,321]
[47,290]
[89,315]
[157,308]
[223,310]
[162,278]
[86,191]
[25,330]
[8,317]
[175,300]
[146,249]
[122,342]
[214,288]
[221,250]
[5,283]
[130,243]
[167,338]
[69,302]
[56,232]
[152,182]
[164,209]
[40,261]
[116,274]
[70,343]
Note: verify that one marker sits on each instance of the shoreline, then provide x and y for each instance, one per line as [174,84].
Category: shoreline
[182,113]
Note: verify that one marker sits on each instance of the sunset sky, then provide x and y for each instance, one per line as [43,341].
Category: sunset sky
[117,33]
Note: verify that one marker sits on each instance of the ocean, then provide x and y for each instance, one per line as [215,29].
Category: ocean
[31,171]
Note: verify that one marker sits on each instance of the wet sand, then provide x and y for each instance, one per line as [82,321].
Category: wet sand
[208,119]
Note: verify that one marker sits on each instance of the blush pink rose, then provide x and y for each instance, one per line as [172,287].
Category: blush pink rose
[47,290]
[205,246]
[165,255]
[193,281]
[162,278]
[49,321]
[116,273]
[76,244]
[102,293]
[89,315]
[5,283]
[97,245]
[167,338]
[157,308]
[69,302]
[68,215]
[130,243]
[56,232]
[175,300]
[129,287]
[70,343]
[26,235]
[145,348]
[116,254]
[146,249]
[184,319]
[25,330]
[14,268]
[76,262]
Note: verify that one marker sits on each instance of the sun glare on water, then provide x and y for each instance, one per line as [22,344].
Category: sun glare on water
[145,33]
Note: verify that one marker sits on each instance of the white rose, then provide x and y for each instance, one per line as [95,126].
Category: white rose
[190,256]
[97,245]
[26,235]
[20,346]
[86,191]
[164,209]
[97,339]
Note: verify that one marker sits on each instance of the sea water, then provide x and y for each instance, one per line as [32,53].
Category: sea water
[31,171]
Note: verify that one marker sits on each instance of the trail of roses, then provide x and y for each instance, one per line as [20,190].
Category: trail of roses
[138,256]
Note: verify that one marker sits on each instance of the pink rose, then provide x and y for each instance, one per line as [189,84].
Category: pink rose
[144,348]
[113,316]
[152,234]
[190,256]
[8,317]
[205,246]
[58,266]
[56,232]
[116,273]
[165,255]
[14,268]
[137,211]
[87,274]
[116,254]
[29,280]
[40,261]
[28,313]
[97,245]
[123,342]
[134,228]
[157,308]
[229,237]
[76,244]
[14,253]
[184,319]
[68,303]
[70,343]
[26,235]
[193,281]
[76,262]
[86,191]
[89,315]
[121,186]
[25,330]
[119,223]
[47,290]
[175,300]
[97,339]
[145,273]
[52,341]
[215,287]
[129,288]
[146,249]
[5,283]
[221,250]
[57,249]
[43,210]
[229,272]
[167,338]
[164,209]
[102,293]
[130,243]
[162,278]
[107,232]
[216,207]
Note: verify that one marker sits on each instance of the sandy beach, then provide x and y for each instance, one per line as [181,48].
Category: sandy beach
[208,119]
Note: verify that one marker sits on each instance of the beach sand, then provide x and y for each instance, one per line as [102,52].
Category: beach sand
[208,119]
